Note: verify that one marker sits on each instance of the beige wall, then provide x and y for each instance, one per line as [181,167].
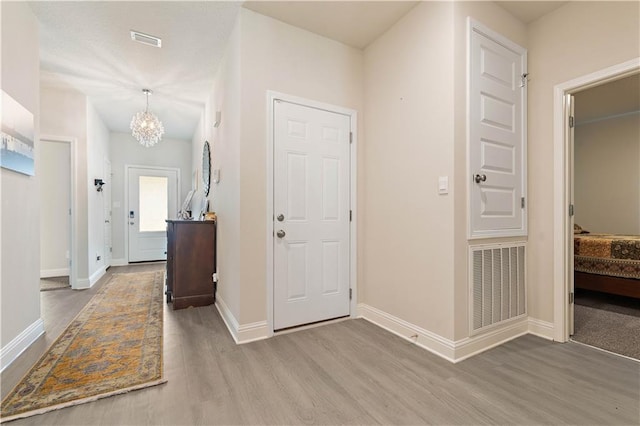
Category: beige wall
[225,147]
[407,230]
[20,213]
[97,151]
[575,40]
[280,57]
[64,113]
[607,175]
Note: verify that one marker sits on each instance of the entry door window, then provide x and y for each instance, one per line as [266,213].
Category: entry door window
[154,203]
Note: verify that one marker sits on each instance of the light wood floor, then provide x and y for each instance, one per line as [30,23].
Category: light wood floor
[350,372]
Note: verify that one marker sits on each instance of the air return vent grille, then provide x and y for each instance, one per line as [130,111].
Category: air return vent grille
[146,38]
[498,291]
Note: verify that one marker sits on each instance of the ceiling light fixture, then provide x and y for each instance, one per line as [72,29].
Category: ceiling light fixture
[146,127]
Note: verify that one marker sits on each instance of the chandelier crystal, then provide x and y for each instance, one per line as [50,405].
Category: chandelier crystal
[146,127]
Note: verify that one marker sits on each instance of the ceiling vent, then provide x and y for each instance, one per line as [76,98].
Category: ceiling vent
[146,39]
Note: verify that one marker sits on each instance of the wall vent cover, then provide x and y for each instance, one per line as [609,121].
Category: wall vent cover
[146,39]
[498,290]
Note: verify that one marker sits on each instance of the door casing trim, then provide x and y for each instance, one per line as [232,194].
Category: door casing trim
[563,235]
[271,98]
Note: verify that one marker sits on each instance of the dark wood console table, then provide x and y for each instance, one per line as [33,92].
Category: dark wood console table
[191,262]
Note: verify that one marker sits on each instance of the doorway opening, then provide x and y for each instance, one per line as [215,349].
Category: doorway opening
[56,168]
[563,189]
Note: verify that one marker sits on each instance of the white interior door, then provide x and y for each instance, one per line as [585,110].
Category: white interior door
[569,125]
[311,220]
[106,190]
[153,195]
[497,128]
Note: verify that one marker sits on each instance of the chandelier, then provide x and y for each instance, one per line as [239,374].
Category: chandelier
[146,127]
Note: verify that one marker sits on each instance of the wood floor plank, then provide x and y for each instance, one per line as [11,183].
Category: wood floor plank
[350,372]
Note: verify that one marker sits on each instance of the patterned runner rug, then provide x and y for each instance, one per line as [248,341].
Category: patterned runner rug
[113,346]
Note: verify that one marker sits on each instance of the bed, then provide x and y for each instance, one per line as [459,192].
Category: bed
[607,263]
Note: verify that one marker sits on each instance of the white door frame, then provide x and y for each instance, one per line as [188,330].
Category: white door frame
[563,235]
[73,255]
[126,199]
[271,97]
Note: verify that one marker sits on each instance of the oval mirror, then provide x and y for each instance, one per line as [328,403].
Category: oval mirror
[206,168]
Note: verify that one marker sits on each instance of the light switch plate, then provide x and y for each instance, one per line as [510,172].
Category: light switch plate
[443,185]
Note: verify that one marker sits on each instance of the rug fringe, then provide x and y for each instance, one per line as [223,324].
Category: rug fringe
[82,401]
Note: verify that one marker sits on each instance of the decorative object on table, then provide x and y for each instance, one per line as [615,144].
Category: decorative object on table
[146,127]
[210,216]
[184,212]
[206,168]
[113,346]
[17,133]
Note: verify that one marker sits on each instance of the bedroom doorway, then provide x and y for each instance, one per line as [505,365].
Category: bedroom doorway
[606,194]
[564,176]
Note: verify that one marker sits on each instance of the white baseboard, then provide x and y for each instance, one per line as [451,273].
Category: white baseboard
[61,272]
[244,333]
[119,262]
[227,317]
[470,346]
[252,332]
[452,351]
[81,284]
[432,342]
[20,343]
[541,328]
[97,275]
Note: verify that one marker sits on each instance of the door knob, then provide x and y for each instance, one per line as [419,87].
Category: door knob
[280,217]
[281,234]
[480,178]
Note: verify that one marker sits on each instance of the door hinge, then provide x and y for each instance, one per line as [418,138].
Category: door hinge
[350,137]
[522,202]
[350,293]
[570,209]
[523,79]
[571,297]
[571,121]
[350,215]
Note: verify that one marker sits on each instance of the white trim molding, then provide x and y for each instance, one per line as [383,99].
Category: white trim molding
[432,342]
[22,341]
[459,350]
[541,328]
[47,273]
[241,333]
[562,232]
[97,275]
[119,262]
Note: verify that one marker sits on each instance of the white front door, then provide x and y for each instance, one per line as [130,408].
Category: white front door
[311,214]
[153,195]
[497,127]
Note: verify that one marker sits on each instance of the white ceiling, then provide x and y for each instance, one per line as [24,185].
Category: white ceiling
[354,23]
[86,46]
[529,11]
